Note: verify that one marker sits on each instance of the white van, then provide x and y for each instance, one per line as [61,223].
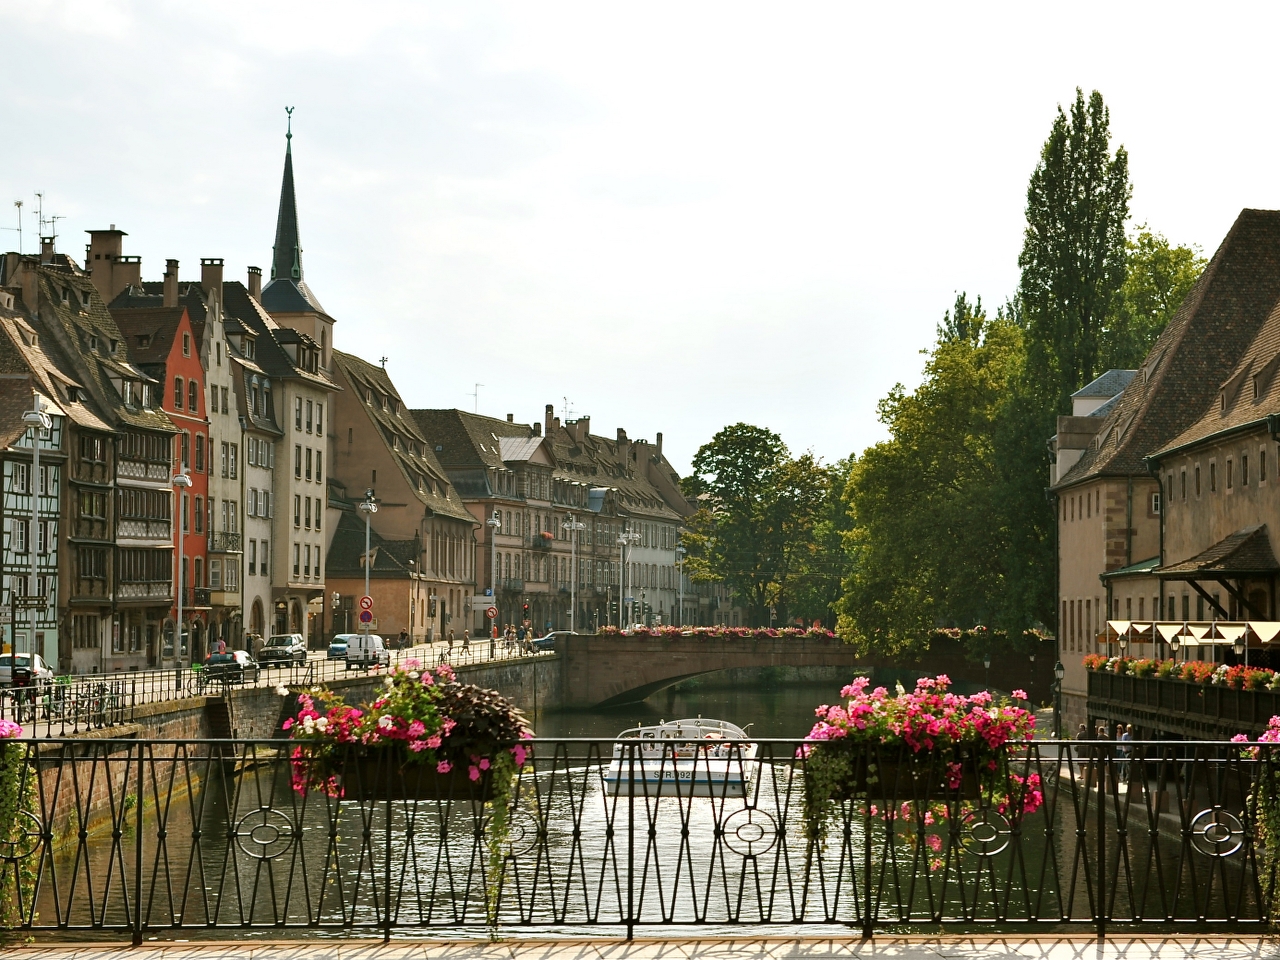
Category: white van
[365,650]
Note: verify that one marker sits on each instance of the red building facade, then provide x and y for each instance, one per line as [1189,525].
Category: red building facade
[164,344]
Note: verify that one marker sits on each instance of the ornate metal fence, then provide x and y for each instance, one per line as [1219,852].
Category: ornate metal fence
[147,838]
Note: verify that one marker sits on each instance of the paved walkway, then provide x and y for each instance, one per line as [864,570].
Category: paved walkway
[891,948]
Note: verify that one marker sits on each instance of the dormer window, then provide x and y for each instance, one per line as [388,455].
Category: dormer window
[1222,401]
[115,346]
[1255,387]
[248,348]
[144,340]
[84,299]
[66,294]
[93,343]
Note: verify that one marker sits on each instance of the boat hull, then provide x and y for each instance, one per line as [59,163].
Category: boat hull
[659,778]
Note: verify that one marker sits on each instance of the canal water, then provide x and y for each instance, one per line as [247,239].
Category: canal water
[770,701]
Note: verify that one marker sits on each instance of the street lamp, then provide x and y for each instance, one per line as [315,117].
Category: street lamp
[573,526]
[1059,671]
[37,420]
[625,540]
[494,523]
[368,506]
[680,552]
[181,481]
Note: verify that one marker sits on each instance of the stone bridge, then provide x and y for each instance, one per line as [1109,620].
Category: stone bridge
[609,670]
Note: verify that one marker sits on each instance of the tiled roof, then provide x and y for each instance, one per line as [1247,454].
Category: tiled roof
[346,551]
[1197,350]
[1244,553]
[237,304]
[71,325]
[1107,385]
[149,332]
[411,450]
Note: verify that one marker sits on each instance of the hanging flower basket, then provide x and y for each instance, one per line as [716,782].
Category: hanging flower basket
[383,774]
[932,749]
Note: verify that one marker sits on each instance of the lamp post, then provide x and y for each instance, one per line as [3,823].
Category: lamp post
[180,482]
[986,666]
[1059,671]
[368,506]
[573,526]
[494,523]
[37,420]
[680,552]
[625,540]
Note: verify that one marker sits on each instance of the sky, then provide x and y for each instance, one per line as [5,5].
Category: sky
[665,216]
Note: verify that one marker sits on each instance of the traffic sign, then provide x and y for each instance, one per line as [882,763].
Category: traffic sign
[491,613]
[366,603]
[366,616]
[31,603]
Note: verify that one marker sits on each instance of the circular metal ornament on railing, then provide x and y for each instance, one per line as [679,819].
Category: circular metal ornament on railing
[26,839]
[749,832]
[265,834]
[986,833]
[1216,832]
[522,835]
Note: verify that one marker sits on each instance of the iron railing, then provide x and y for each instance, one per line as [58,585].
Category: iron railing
[73,705]
[208,838]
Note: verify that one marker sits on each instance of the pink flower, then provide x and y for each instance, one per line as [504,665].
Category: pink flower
[443,766]
[434,742]
[413,663]
[520,753]
[287,724]
[484,763]
[1019,694]
[416,729]
[417,746]
[473,772]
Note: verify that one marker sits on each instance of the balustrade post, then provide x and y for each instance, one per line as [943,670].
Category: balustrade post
[1104,752]
[867,926]
[137,845]
[631,836]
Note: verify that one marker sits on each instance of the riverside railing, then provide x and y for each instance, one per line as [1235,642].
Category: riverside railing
[72,705]
[206,839]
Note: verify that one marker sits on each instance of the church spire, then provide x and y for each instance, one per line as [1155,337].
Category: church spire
[286,259]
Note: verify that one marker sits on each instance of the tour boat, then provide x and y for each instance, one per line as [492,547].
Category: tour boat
[686,758]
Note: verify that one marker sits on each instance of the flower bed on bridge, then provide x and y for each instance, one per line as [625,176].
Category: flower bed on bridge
[725,633]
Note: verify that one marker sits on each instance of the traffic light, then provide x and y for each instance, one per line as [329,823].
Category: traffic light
[526,609]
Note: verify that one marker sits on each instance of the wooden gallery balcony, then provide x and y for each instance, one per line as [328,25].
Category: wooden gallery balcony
[1162,707]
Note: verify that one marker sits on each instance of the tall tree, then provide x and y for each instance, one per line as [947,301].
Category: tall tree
[1158,277]
[929,541]
[757,510]
[1073,251]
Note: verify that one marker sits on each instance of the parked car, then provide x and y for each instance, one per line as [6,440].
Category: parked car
[283,648]
[234,667]
[366,650]
[549,641]
[338,646]
[31,664]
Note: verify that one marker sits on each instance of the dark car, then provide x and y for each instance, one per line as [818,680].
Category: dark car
[283,648]
[549,641]
[234,667]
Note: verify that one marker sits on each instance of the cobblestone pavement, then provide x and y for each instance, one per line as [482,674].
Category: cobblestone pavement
[904,948]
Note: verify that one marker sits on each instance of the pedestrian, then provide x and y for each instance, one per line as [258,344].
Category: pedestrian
[404,638]
[1124,733]
[466,640]
[451,642]
[520,634]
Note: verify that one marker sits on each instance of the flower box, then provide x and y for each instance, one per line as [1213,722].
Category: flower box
[903,779]
[383,775]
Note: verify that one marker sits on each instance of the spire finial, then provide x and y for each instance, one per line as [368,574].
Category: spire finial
[289,132]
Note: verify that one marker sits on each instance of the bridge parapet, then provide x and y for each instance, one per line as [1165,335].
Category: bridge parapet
[607,670]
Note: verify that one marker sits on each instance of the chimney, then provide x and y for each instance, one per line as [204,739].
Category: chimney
[171,283]
[255,282]
[46,249]
[659,447]
[622,435]
[106,247]
[550,416]
[211,277]
[537,429]
[511,418]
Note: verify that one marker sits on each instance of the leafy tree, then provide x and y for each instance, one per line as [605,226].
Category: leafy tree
[1073,252]
[929,537]
[757,510]
[1157,279]
[822,560]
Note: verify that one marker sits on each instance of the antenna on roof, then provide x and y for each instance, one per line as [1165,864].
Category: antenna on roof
[475,395]
[18,204]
